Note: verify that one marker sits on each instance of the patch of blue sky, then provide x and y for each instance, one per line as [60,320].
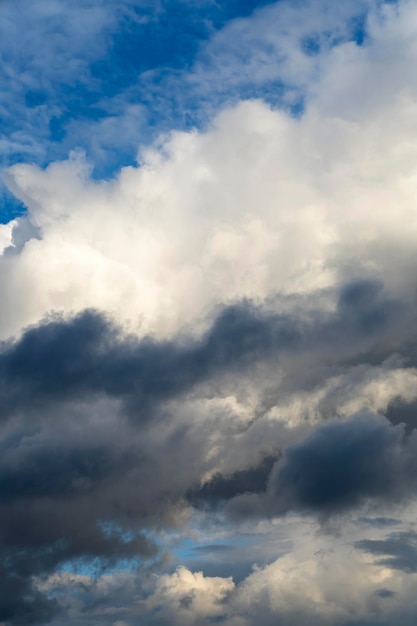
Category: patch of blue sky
[217,549]
[10,207]
[359,32]
[189,547]
[220,550]
[96,567]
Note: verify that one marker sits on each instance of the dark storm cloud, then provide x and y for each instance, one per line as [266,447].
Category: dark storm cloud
[20,603]
[55,493]
[339,464]
[397,551]
[60,494]
[74,481]
[60,360]
[221,488]
[63,359]
[54,503]
[402,412]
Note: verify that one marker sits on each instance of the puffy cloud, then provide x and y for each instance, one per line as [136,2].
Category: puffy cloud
[259,203]
[217,333]
[185,597]
[94,421]
[322,580]
[342,462]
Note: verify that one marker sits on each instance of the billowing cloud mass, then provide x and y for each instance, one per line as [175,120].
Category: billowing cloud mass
[208,349]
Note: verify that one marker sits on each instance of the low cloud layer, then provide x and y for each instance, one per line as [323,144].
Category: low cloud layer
[93,432]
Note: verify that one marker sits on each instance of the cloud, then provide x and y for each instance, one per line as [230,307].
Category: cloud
[221,337]
[187,597]
[222,488]
[46,48]
[89,355]
[339,586]
[95,420]
[259,203]
[86,356]
[341,463]
[398,551]
[106,77]
[276,52]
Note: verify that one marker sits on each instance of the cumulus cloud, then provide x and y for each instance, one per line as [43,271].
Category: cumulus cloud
[259,203]
[221,336]
[342,462]
[340,585]
[188,597]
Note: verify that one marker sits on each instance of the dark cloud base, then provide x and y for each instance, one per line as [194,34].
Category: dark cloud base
[61,359]
[397,551]
[83,477]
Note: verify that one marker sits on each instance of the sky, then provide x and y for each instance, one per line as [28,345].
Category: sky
[208,349]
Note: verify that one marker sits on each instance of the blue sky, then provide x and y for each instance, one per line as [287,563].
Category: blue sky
[208,363]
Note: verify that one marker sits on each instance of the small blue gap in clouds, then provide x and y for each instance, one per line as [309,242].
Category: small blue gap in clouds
[359,33]
[10,206]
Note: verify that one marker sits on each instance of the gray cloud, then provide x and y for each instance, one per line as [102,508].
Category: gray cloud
[61,359]
[397,551]
[95,449]
[340,464]
[221,488]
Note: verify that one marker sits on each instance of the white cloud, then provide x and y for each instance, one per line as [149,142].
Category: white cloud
[260,203]
[186,597]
